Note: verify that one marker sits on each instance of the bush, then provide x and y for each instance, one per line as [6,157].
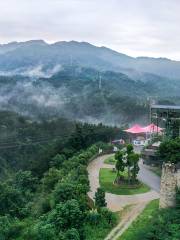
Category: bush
[42,205]
[93,217]
[66,215]
[41,231]
[58,160]
[72,234]
[108,216]
[11,200]
[51,178]
[5,227]
[64,192]
[24,181]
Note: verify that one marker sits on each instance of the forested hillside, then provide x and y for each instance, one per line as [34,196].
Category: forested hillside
[44,181]
[29,145]
[38,58]
[87,95]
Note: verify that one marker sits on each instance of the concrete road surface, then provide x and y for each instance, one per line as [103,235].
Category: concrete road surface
[148,177]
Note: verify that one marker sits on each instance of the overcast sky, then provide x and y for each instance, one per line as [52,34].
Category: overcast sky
[134,27]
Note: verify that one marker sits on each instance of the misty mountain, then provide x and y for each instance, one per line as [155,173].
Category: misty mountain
[77,80]
[38,58]
[85,94]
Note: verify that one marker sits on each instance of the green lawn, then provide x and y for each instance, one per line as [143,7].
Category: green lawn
[137,230]
[110,160]
[107,177]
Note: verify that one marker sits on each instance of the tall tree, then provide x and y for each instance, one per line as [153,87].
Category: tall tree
[169,150]
[120,165]
[134,158]
[129,163]
[100,200]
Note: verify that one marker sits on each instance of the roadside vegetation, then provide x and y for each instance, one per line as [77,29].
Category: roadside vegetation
[136,230]
[169,150]
[155,223]
[110,160]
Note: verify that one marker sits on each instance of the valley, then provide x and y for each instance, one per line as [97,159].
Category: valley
[61,107]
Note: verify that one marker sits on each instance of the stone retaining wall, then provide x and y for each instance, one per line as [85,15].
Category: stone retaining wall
[170,180]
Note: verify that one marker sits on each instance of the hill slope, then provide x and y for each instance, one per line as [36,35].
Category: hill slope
[36,57]
[85,94]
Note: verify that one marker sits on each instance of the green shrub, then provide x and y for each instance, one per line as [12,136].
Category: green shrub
[51,178]
[93,217]
[109,216]
[58,160]
[64,192]
[72,234]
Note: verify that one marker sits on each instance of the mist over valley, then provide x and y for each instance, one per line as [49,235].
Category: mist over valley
[77,80]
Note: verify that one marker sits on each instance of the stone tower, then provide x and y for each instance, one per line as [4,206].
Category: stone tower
[168,186]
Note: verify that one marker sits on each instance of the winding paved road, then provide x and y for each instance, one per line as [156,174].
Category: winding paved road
[148,177]
[117,202]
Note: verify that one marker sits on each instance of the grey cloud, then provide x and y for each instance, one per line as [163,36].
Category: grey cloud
[138,27]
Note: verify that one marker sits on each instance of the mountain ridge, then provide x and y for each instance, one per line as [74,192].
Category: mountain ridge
[85,43]
[35,52]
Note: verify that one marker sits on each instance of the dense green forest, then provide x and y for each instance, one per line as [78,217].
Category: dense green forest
[44,181]
[25,143]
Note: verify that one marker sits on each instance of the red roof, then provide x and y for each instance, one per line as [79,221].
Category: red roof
[135,129]
[148,129]
[152,128]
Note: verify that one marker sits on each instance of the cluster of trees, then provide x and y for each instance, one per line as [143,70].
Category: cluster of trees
[47,199]
[127,159]
[169,150]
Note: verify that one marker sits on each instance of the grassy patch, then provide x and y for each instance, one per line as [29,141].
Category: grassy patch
[107,177]
[138,228]
[110,160]
[99,231]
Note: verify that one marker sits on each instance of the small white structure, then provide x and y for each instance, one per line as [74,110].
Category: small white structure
[115,149]
[100,150]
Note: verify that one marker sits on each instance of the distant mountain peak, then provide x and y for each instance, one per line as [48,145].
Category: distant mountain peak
[17,55]
[38,41]
[73,43]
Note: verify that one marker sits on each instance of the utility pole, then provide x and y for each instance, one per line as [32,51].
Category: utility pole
[100,82]
[71,60]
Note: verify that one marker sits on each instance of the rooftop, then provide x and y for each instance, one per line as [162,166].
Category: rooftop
[171,107]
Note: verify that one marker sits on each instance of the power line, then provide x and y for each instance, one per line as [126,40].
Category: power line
[28,138]
[41,140]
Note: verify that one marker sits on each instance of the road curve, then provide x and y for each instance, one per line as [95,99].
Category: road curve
[117,202]
[148,177]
